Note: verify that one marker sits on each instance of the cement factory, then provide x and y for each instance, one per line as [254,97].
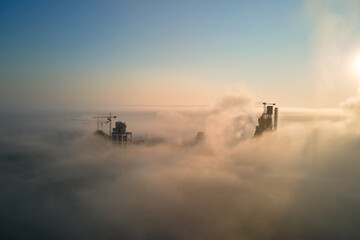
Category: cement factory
[117,135]
[268,122]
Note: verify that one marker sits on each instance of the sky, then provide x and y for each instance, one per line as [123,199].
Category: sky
[76,54]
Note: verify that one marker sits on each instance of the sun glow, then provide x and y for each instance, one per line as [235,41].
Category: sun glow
[357,66]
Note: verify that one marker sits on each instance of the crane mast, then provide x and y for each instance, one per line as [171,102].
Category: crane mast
[109,120]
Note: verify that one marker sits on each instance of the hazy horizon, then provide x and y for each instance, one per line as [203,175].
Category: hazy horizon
[75,54]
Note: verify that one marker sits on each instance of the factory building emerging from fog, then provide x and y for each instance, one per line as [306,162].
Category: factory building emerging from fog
[268,121]
[118,135]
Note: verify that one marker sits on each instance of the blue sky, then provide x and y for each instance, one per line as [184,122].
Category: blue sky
[200,47]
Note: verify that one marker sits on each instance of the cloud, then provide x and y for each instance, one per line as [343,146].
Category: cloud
[298,182]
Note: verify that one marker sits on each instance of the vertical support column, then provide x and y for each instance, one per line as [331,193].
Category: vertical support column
[110,135]
[276,118]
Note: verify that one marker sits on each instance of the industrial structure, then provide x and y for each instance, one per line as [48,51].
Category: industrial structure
[100,122]
[268,121]
[118,135]
[200,138]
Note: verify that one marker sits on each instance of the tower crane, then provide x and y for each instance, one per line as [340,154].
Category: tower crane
[108,120]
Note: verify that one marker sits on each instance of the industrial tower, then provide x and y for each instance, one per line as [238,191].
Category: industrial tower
[118,135]
[266,120]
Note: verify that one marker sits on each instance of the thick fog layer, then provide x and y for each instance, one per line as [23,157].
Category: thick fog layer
[58,181]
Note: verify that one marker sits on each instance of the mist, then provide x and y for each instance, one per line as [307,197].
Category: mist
[59,181]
